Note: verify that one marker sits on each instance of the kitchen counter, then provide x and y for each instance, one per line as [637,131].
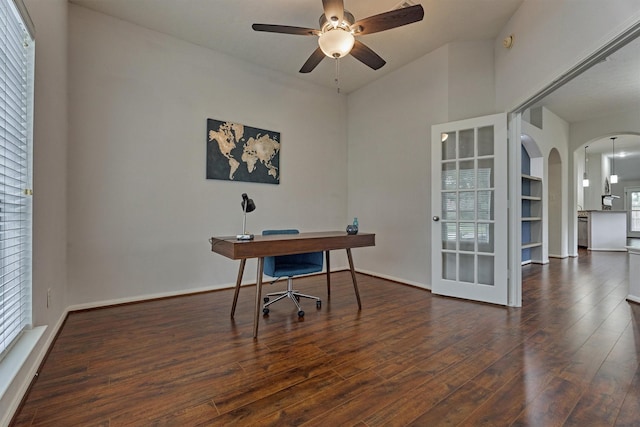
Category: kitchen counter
[607,231]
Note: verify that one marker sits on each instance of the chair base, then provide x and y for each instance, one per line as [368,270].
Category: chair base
[291,294]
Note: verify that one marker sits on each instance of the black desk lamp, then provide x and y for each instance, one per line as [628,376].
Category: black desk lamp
[247,206]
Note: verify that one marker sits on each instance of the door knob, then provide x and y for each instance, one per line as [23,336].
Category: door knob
[436,218]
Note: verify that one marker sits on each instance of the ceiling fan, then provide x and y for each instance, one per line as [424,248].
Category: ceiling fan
[338,31]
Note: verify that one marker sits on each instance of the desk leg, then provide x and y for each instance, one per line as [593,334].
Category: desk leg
[328,274]
[238,281]
[353,277]
[258,296]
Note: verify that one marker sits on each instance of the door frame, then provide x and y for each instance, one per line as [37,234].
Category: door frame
[514,230]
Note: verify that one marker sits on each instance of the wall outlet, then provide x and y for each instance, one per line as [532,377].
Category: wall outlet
[48,297]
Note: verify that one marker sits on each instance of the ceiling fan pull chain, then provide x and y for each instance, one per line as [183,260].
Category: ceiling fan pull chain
[337,74]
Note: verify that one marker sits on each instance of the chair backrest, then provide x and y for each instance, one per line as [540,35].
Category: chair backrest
[290,265]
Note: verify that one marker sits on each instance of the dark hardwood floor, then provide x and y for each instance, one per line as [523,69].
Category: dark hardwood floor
[570,357]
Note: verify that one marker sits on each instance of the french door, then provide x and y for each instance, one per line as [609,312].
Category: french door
[469,223]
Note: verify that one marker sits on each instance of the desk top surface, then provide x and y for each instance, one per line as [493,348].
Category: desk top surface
[288,244]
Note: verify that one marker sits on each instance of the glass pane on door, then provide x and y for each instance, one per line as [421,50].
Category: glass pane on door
[467,197]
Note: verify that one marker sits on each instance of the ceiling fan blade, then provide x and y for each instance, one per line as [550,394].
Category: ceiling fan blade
[313,61]
[365,55]
[388,20]
[285,29]
[333,10]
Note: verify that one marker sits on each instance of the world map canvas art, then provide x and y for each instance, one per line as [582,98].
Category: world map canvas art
[237,152]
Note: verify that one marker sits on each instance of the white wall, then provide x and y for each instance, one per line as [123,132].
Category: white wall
[50,160]
[470,79]
[140,208]
[390,153]
[599,170]
[591,196]
[49,200]
[580,190]
[550,37]
[557,202]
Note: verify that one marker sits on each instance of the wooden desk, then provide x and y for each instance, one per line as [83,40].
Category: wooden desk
[288,244]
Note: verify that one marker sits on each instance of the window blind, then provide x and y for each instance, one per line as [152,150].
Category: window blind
[16,106]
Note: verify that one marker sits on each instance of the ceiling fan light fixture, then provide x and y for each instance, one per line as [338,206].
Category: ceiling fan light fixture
[336,43]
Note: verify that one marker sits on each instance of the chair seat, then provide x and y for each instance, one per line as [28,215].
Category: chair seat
[289,266]
[287,270]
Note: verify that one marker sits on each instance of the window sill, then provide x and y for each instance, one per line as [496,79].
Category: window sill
[17,356]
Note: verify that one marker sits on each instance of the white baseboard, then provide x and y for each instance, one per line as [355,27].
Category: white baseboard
[146,297]
[139,298]
[558,256]
[394,279]
[527,262]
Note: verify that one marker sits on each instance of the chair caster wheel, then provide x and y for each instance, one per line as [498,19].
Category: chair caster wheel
[297,298]
[265,311]
[318,304]
[265,299]
[301,313]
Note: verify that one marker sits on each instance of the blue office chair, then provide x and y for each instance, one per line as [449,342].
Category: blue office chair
[290,266]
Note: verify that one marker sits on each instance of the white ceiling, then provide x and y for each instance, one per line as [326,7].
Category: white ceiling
[225,26]
[607,88]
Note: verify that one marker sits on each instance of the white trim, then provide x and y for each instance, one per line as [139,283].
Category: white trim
[26,18]
[33,369]
[514,236]
[25,346]
[147,297]
[17,356]
[393,279]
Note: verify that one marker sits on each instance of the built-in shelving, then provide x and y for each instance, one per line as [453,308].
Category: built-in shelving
[531,245]
[531,215]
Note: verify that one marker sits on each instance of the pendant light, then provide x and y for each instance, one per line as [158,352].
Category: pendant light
[614,178]
[585,180]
